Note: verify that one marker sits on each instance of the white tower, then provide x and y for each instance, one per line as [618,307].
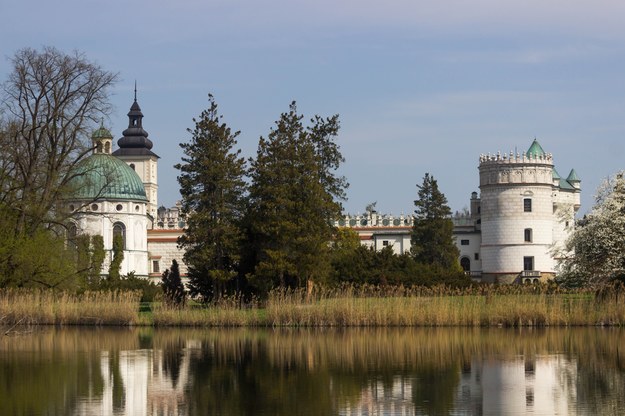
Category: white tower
[108,198]
[135,150]
[527,212]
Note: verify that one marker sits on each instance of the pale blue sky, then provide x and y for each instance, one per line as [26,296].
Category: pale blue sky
[420,86]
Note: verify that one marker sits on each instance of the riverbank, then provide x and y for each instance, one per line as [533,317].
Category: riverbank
[349,306]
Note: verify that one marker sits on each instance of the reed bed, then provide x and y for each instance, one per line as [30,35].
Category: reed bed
[366,306]
[37,307]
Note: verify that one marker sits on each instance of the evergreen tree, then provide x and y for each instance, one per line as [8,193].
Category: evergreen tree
[118,257]
[212,188]
[173,289]
[97,258]
[432,232]
[294,197]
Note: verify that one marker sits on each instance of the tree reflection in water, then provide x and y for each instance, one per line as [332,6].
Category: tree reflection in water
[314,372]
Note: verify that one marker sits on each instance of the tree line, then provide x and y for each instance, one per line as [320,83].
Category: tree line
[253,225]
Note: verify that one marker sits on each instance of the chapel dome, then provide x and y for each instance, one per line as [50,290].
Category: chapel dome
[103,176]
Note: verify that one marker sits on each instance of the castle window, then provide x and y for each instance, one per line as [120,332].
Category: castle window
[527,205]
[464,242]
[385,243]
[476,256]
[119,229]
[132,166]
[528,263]
[528,235]
[155,266]
[72,233]
[465,263]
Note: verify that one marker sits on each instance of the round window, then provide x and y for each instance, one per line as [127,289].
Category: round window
[71,208]
[119,207]
[94,207]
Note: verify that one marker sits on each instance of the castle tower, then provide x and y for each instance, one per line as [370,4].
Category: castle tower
[135,150]
[527,211]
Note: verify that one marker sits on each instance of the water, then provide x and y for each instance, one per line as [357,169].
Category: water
[450,371]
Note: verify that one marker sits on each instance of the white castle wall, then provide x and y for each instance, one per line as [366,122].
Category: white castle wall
[99,217]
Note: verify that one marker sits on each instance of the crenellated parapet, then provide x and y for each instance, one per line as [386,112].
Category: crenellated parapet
[516,168]
[516,158]
[373,219]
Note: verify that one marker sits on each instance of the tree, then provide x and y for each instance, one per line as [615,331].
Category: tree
[432,231]
[173,289]
[49,104]
[118,257]
[212,188]
[595,252]
[295,195]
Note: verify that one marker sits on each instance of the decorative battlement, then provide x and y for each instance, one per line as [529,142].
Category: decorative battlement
[373,219]
[169,218]
[514,158]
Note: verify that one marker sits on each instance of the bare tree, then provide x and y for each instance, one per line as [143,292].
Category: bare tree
[50,103]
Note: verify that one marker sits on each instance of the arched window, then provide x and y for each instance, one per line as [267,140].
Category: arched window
[465,263]
[72,233]
[119,229]
[107,147]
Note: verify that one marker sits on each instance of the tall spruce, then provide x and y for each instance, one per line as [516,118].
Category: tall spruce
[212,187]
[432,231]
[295,195]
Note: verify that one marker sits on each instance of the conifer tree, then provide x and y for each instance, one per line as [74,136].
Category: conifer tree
[432,232]
[294,197]
[118,257]
[212,188]
[173,289]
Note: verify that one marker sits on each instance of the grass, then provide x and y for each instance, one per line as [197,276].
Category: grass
[480,306]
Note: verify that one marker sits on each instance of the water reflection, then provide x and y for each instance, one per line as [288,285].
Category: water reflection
[313,372]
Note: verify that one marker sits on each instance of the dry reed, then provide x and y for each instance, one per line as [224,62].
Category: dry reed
[37,307]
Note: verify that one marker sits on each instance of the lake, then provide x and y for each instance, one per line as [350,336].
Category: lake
[386,371]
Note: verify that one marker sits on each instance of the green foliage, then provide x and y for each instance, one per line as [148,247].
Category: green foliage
[432,232]
[294,197]
[173,289]
[150,291]
[595,253]
[97,258]
[212,188]
[118,257]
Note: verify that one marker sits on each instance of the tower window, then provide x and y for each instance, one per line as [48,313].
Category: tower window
[476,256]
[527,205]
[528,235]
[132,166]
[385,243]
[119,229]
[528,263]
[155,266]
[464,242]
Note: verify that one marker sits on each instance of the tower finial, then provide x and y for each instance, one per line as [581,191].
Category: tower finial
[135,90]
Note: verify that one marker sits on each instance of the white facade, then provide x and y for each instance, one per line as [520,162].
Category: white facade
[514,232]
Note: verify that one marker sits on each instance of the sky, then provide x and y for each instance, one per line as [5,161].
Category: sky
[419,86]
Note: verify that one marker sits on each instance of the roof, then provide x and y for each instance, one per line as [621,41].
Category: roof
[103,176]
[101,133]
[535,151]
[573,177]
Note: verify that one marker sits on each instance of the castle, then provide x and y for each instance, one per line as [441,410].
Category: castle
[513,232]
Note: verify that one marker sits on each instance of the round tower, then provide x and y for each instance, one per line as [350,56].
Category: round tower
[517,211]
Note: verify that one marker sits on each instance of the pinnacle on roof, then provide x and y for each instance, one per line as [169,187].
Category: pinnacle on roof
[135,141]
[573,177]
[535,151]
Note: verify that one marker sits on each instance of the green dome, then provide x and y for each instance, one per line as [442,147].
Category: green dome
[535,151]
[101,133]
[102,176]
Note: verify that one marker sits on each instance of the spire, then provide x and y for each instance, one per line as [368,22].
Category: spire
[135,140]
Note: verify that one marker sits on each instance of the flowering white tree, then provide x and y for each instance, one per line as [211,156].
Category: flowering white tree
[597,246]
